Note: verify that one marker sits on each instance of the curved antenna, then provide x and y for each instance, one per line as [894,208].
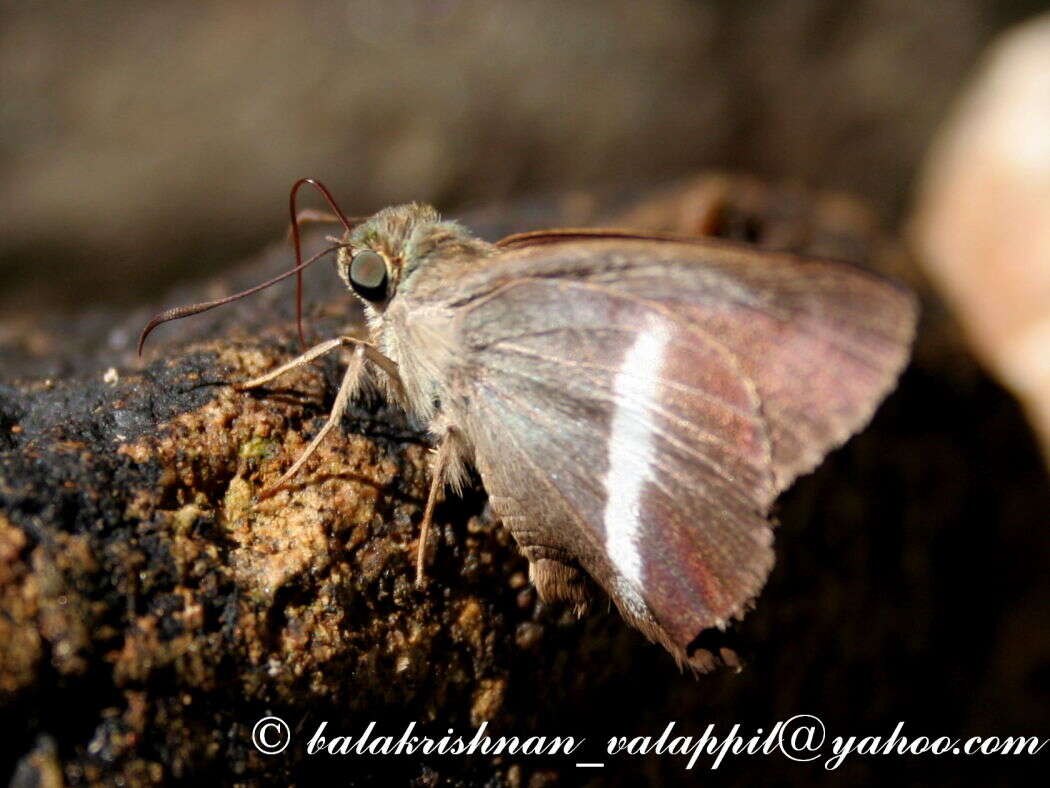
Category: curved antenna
[196,309]
[298,244]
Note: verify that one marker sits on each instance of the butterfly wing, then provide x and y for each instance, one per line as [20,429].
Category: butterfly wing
[637,404]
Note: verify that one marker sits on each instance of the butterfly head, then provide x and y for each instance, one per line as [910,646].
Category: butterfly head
[385,251]
[377,257]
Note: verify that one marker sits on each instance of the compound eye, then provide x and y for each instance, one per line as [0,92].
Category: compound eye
[368,275]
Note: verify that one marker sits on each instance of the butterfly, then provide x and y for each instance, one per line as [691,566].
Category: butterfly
[633,403]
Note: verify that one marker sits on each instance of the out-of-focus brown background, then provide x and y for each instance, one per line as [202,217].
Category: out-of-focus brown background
[143,143]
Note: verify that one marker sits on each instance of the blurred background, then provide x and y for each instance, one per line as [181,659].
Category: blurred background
[141,143]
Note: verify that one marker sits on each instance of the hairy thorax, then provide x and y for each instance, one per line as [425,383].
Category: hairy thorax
[421,341]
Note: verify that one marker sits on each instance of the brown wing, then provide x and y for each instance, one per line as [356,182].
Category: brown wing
[636,406]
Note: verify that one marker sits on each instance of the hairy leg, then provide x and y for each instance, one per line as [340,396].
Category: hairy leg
[438,470]
[350,385]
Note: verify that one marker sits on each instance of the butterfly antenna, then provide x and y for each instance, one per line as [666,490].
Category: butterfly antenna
[298,243]
[196,309]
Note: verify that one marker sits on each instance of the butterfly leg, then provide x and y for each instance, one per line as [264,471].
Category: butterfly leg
[298,361]
[371,353]
[351,383]
[439,469]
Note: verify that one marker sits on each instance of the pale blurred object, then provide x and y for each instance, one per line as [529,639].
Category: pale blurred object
[982,223]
